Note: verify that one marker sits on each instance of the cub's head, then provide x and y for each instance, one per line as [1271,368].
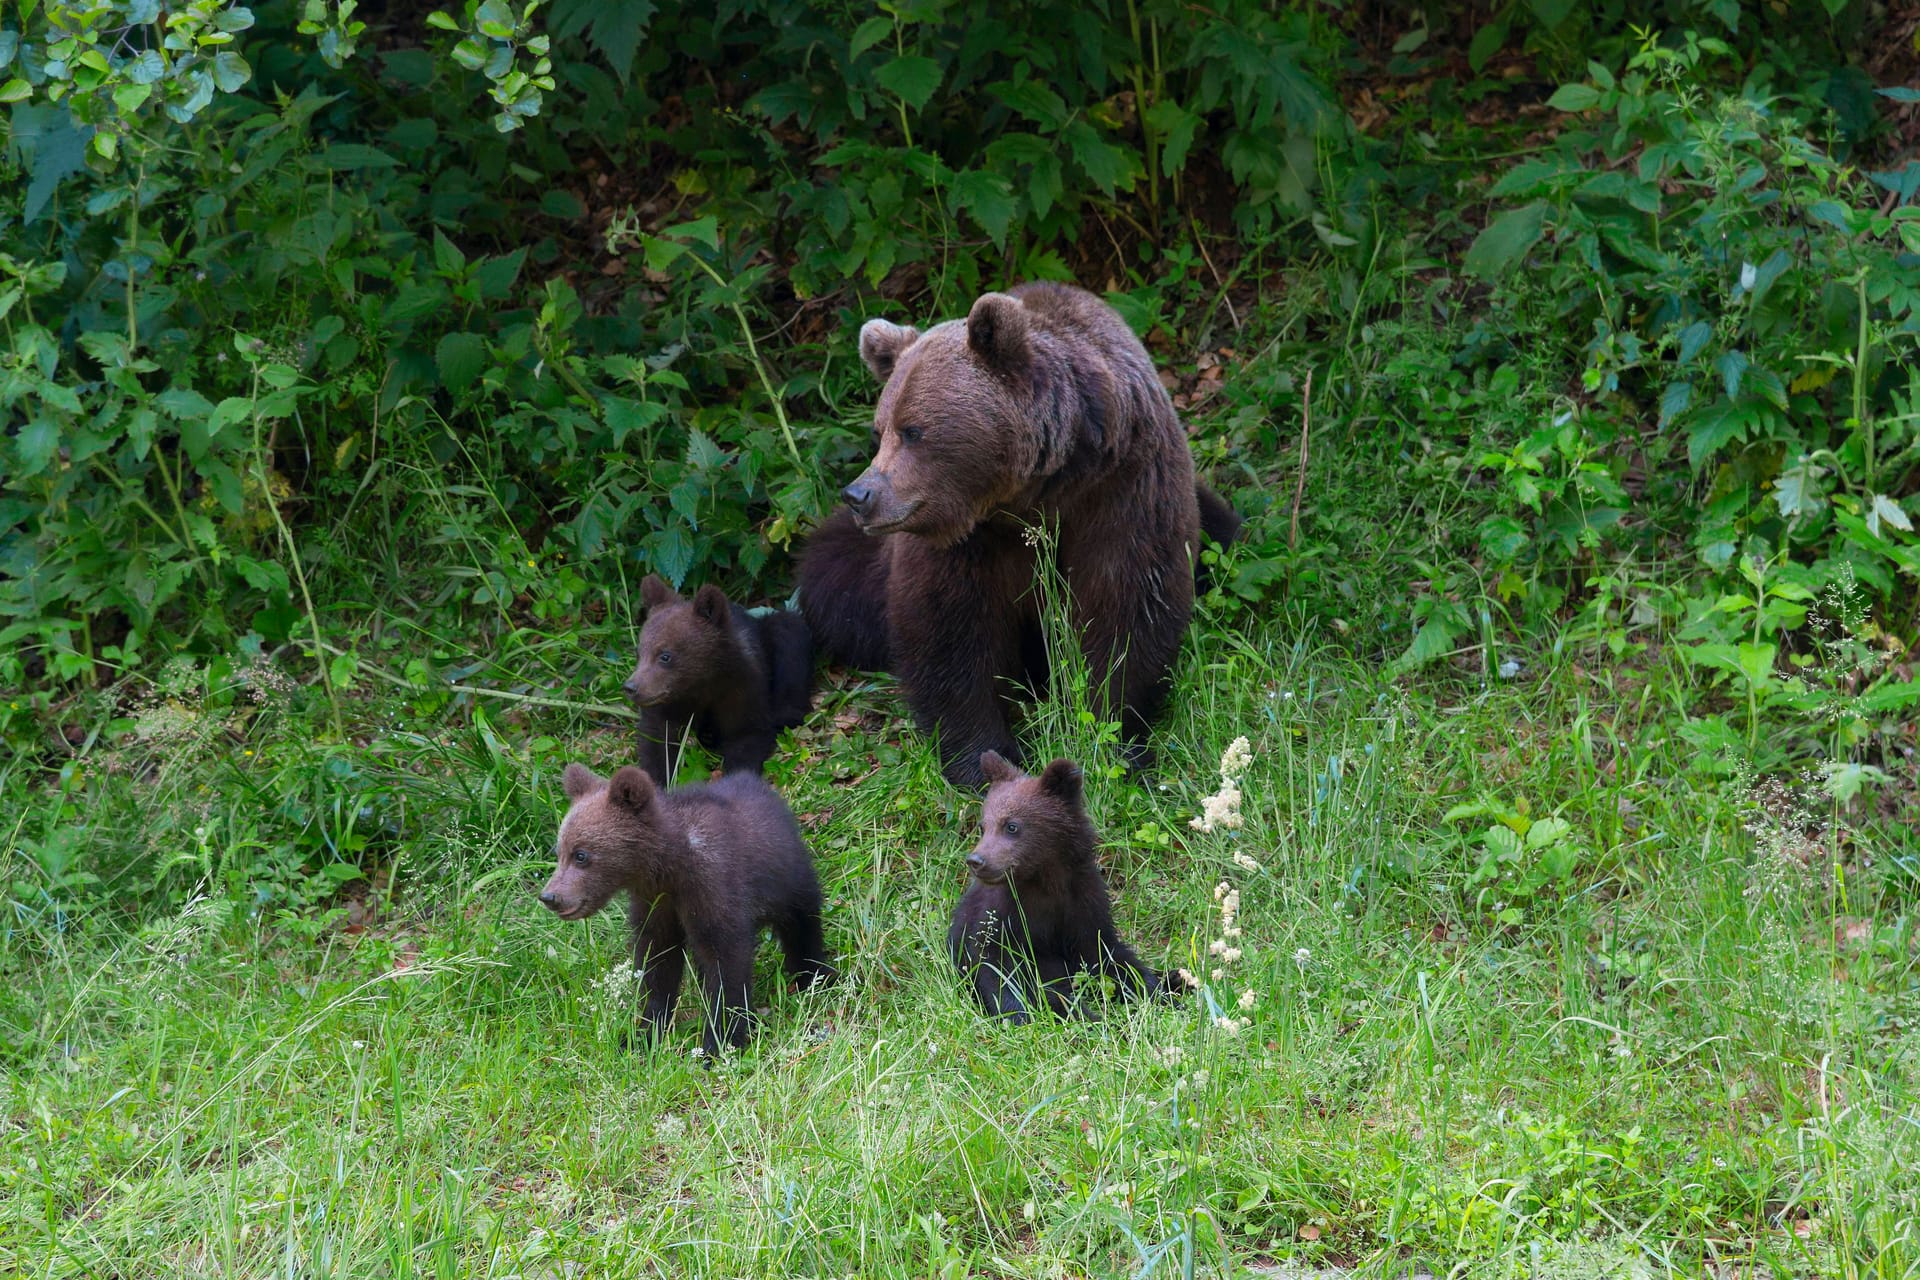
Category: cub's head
[952,431]
[685,645]
[1031,828]
[611,830]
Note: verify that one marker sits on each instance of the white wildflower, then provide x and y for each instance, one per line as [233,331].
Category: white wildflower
[1303,957]
[1247,999]
[1245,863]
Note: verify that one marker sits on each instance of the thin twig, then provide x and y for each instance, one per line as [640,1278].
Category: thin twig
[560,704]
[1300,489]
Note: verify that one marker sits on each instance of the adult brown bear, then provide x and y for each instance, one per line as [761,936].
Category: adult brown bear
[1040,408]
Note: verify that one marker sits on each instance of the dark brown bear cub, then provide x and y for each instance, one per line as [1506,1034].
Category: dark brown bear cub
[1036,911]
[705,869]
[734,677]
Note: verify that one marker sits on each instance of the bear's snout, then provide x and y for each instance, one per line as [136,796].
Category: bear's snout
[875,506]
[549,899]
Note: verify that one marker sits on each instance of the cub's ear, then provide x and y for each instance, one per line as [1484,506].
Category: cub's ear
[1063,778]
[631,789]
[710,604]
[655,592]
[882,343]
[997,332]
[995,766]
[580,781]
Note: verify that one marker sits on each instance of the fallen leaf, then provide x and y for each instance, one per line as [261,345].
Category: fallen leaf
[1309,1232]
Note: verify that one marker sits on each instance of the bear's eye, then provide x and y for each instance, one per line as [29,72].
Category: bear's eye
[581,857]
[664,657]
[910,435]
[1011,826]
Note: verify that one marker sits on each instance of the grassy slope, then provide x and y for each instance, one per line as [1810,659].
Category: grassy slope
[1688,1049]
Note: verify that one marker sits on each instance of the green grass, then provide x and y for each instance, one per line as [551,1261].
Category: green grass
[1682,1051]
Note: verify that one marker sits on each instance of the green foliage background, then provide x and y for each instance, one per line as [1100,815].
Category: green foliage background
[357,361]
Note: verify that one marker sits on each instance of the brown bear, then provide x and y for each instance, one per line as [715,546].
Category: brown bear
[1036,911]
[705,868]
[735,677]
[1040,408]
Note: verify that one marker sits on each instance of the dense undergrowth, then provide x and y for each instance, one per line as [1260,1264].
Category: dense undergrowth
[1572,635]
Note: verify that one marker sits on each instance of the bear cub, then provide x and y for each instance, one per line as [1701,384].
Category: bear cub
[735,677]
[1036,911]
[705,868]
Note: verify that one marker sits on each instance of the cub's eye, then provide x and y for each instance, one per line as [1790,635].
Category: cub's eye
[910,435]
[664,657]
[581,857]
[1011,826]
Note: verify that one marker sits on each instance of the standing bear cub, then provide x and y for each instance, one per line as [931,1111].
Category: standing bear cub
[735,677]
[1036,911]
[705,869]
[1040,408]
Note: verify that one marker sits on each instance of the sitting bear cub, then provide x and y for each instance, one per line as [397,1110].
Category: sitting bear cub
[736,677]
[705,869]
[1036,911]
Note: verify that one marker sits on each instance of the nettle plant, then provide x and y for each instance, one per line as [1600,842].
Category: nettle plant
[1750,297]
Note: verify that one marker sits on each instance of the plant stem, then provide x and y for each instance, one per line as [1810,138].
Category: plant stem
[293,557]
[759,366]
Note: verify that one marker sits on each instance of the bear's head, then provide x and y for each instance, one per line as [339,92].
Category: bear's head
[685,645]
[953,429]
[1031,828]
[611,838]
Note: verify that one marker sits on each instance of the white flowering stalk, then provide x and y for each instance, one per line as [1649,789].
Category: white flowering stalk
[1221,810]
[1223,949]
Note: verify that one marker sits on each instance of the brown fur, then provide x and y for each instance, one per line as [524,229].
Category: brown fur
[1041,407]
[735,679]
[1036,911]
[704,869]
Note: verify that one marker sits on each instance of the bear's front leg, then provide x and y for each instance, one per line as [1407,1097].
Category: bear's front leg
[955,624]
[660,739]
[659,955]
[726,973]
[747,752]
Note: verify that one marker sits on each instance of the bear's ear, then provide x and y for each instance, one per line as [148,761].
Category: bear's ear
[580,781]
[995,766]
[710,604]
[997,331]
[655,592]
[1063,779]
[882,343]
[631,789]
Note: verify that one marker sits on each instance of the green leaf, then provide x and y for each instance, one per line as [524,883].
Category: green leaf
[230,71]
[15,90]
[183,402]
[706,230]
[1843,779]
[1546,831]
[1176,126]
[1574,97]
[912,79]
[670,553]
[624,416]
[1692,339]
[35,446]
[1038,103]
[264,576]
[494,19]
[1551,13]
[1756,661]
[1499,248]
[1832,213]
[1433,640]
[1674,401]
[1485,43]
[1884,510]
[988,197]
[1732,367]
[868,34]
[1711,430]
[1900,93]
[461,359]
[1110,168]
[447,258]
